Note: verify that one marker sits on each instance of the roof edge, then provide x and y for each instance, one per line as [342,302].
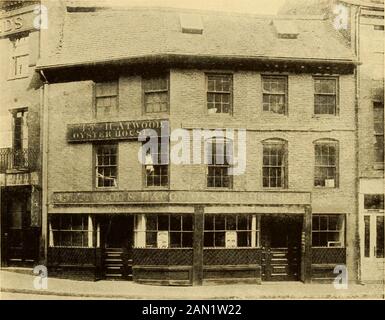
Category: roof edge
[170,57]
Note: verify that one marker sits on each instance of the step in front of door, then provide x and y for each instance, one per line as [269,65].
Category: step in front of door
[116,265]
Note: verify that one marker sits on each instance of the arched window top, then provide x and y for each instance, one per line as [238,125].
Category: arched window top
[274,141]
[325,141]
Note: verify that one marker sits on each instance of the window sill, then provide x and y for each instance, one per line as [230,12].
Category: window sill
[106,189]
[25,76]
[325,116]
[325,188]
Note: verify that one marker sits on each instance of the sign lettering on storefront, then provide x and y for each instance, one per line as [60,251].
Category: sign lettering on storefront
[17,23]
[175,197]
[120,130]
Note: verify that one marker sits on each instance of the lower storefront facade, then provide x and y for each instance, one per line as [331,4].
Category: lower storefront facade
[248,237]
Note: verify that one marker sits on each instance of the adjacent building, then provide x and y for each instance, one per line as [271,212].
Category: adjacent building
[362,25]
[272,93]
[20,186]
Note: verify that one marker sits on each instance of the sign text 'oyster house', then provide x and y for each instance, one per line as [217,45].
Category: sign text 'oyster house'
[119,130]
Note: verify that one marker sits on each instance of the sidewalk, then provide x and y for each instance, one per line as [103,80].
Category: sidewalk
[12,282]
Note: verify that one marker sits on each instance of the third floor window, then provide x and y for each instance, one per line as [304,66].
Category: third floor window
[378,112]
[325,96]
[106,98]
[219,93]
[274,94]
[156,97]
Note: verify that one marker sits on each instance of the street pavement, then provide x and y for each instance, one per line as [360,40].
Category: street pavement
[16,285]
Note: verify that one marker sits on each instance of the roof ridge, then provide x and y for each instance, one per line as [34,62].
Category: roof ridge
[201,11]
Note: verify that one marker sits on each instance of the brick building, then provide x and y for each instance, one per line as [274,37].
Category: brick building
[283,84]
[362,25]
[19,134]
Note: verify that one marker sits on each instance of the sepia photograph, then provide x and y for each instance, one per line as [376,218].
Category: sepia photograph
[181,150]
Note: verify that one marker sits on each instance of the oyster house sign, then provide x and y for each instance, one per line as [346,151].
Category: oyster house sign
[119,130]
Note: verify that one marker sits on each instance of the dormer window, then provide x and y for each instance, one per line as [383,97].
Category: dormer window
[285,29]
[191,23]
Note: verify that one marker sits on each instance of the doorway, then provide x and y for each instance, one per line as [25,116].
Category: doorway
[118,243]
[281,244]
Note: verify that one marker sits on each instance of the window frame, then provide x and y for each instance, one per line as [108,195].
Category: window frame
[18,51]
[250,217]
[182,231]
[285,176]
[115,112]
[90,234]
[230,93]
[337,95]
[342,230]
[95,165]
[378,105]
[209,142]
[285,94]
[144,170]
[337,162]
[149,77]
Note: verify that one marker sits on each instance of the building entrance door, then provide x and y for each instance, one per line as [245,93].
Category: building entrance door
[21,240]
[373,261]
[117,257]
[281,243]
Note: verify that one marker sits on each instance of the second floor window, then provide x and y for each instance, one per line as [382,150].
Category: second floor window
[326,164]
[156,165]
[378,132]
[325,96]
[106,98]
[19,58]
[106,166]
[156,94]
[274,164]
[274,94]
[219,93]
[219,153]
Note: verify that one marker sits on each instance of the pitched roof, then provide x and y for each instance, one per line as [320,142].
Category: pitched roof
[107,35]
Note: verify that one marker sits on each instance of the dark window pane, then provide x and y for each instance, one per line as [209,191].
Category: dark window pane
[209,239]
[187,223]
[367,236]
[231,223]
[219,222]
[209,222]
[244,239]
[187,239]
[175,222]
[380,237]
[243,222]
[151,222]
[163,222]
[151,239]
[175,239]
[219,240]
[374,201]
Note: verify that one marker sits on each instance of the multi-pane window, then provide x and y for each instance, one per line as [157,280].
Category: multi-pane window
[157,163]
[326,164]
[106,98]
[156,94]
[219,93]
[274,94]
[325,95]
[378,111]
[106,165]
[71,231]
[231,231]
[219,159]
[163,231]
[19,57]
[274,164]
[328,230]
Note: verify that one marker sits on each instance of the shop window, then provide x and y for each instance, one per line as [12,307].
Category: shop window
[328,230]
[374,201]
[367,236]
[157,164]
[231,231]
[219,159]
[274,94]
[106,98]
[19,63]
[326,164]
[71,231]
[156,94]
[163,231]
[378,112]
[219,93]
[325,96]
[106,169]
[274,164]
